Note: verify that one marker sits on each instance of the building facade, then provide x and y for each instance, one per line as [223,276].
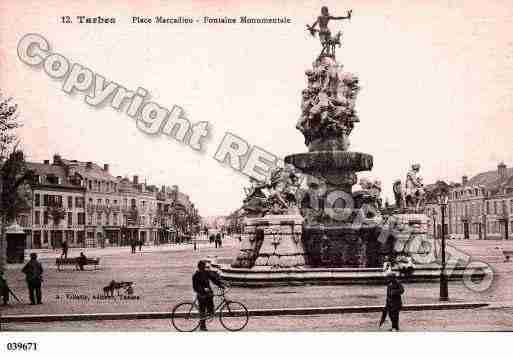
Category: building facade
[87,206]
[479,208]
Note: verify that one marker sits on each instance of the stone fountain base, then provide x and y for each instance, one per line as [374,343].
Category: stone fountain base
[273,241]
[275,252]
[268,277]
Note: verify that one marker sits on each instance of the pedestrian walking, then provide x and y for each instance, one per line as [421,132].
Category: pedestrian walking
[133,245]
[65,248]
[141,242]
[34,276]
[218,240]
[394,301]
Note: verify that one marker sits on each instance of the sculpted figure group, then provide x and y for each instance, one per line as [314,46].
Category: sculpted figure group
[328,102]
[412,194]
[275,196]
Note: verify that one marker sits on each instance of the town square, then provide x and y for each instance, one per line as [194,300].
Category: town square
[273,167]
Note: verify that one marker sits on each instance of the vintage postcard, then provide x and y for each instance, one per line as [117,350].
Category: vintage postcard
[255,166]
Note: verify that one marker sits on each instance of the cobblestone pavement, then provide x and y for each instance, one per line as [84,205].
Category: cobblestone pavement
[162,277]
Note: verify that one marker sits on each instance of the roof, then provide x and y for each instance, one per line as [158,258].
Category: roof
[491,180]
[95,171]
[44,170]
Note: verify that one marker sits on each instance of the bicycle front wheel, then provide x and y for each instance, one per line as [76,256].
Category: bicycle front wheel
[184,318]
[233,316]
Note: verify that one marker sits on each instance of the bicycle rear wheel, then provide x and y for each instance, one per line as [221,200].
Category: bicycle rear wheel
[184,318]
[233,316]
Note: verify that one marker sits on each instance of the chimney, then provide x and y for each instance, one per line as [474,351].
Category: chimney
[501,168]
[57,159]
[136,180]
[89,165]
[46,162]
[106,167]
[464,180]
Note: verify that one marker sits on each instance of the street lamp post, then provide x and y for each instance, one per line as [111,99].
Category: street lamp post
[444,290]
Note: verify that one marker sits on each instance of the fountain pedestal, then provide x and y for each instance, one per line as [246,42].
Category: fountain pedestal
[272,241]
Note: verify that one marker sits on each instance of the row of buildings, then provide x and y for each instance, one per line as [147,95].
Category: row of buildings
[480,207]
[84,204]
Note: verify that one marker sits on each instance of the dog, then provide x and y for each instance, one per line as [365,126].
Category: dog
[117,286]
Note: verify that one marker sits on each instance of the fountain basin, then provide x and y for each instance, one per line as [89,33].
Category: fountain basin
[322,161]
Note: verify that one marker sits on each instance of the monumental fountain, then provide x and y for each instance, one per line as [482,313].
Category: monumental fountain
[305,224]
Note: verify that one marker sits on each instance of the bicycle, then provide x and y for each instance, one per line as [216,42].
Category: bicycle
[233,315]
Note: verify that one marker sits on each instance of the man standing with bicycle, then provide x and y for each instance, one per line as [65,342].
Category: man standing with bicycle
[201,285]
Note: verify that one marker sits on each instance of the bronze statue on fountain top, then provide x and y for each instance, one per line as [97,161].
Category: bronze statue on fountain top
[327,41]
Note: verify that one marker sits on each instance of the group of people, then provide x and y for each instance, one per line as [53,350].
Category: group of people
[217,239]
[134,243]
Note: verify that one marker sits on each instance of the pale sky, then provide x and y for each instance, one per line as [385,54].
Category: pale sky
[436,80]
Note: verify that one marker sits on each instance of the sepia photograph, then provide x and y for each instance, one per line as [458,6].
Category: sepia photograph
[337,168]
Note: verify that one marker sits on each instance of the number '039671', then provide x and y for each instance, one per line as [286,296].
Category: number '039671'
[26,347]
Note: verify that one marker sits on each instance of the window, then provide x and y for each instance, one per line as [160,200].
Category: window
[37,199]
[494,207]
[70,219]
[116,202]
[79,202]
[52,179]
[98,219]
[90,185]
[37,218]
[81,219]
[99,201]
[45,217]
[70,202]
[45,200]
[107,201]
[115,219]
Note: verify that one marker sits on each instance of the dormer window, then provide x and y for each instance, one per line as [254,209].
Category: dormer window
[52,179]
